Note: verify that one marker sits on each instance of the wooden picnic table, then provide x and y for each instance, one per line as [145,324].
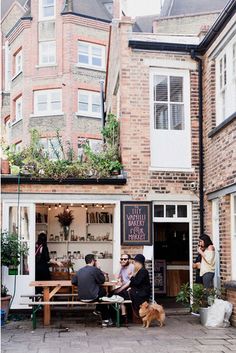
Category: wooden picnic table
[50,288]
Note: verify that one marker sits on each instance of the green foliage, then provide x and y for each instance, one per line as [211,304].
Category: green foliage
[4,291]
[12,249]
[196,297]
[35,161]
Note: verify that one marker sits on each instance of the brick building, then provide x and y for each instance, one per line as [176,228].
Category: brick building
[143,87]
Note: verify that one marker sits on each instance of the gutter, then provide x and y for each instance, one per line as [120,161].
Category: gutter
[162,46]
[85,16]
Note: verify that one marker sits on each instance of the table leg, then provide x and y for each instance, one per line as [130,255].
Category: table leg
[47,309]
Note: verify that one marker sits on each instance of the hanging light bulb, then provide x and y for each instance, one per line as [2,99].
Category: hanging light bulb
[97,205]
[67,208]
[49,208]
[86,207]
[103,207]
[59,204]
[184,237]
[72,204]
[55,206]
[82,205]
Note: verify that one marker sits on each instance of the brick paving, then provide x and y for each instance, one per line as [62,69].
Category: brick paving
[182,334]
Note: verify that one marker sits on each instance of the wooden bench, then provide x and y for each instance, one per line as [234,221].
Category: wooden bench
[37,305]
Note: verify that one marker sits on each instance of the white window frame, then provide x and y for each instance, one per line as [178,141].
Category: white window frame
[49,111]
[216,240]
[174,219]
[89,112]
[18,69]
[18,115]
[225,82]
[8,63]
[48,147]
[46,18]
[233,238]
[41,53]
[90,56]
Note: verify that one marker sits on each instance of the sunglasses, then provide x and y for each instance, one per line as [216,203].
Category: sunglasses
[124,259]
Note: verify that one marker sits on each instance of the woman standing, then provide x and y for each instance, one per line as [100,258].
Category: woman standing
[42,259]
[207,268]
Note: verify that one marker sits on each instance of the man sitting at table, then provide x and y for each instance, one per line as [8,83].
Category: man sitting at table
[89,280]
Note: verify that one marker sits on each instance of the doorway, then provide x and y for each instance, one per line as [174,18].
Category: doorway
[172,250]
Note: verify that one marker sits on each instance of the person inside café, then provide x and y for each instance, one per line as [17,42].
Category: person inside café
[89,280]
[139,289]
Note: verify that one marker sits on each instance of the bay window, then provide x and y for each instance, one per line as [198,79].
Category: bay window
[47,52]
[89,103]
[48,102]
[47,9]
[91,55]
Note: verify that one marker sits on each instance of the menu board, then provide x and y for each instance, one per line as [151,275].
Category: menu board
[136,223]
[160,276]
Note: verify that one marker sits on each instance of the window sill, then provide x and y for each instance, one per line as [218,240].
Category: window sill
[46,115]
[84,115]
[16,75]
[89,67]
[222,125]
[16,122]
[178,170]
[47,65]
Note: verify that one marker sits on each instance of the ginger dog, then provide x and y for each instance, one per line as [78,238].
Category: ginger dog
[150,312]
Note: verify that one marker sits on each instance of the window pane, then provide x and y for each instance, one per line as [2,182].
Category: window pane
[83,59]
[48,2]
[83,102]
[96,103]
[160,116]
[24,223]
[96,51]
[96,61]
[96,145]
[13,227]
[83,107]
[177,117]
[83,53]
[176,89]
[159,211]
[56,106]
[160,88]
[170,211]
[182,210]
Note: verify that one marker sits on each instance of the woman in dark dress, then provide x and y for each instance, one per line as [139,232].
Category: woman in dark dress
[42,260]
[139,289]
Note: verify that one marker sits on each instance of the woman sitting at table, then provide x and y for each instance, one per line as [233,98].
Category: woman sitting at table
[139,289]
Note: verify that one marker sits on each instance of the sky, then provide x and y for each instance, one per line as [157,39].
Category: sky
[142,7]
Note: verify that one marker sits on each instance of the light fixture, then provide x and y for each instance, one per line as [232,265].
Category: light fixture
[59,204]
[82,205]
[49,208]
[184,237]
[86,207]
[103,207]
[67,208]
[55,206]
[97,205]
[174,234]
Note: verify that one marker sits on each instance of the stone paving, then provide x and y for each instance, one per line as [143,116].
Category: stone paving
[181,334]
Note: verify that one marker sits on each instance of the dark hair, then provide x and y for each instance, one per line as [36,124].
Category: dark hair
[42,239]
[206,239]
[89,258]
[129,257]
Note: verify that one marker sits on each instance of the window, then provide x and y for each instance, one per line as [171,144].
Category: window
[89,103]
[95,144]
[18,62]
[51,147]
[91,55]
[46,9]
[18,109]
[233,241]
[18,146]
[7,67]
[170,119]
[7,130]
[226,82]
[48,102]
[171,211]
[168,102]
[47,53]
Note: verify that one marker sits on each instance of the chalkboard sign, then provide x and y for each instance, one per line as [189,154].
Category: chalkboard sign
[160,276]
[136,223]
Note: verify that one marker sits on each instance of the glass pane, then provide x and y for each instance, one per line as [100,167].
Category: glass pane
[159,211]
[42,107]
[177,117]
[24,223]
[42,98]
[13,228]
[96,108]
[48,11]
[83,59]
[97,51]
[83,107]
[160,88]
[83,48]
[181,211]
[160,116]
[170,211]
[83,98]
[96,145]
[24,267]
[48,2]
[96,61]
[56,106]
[176,89]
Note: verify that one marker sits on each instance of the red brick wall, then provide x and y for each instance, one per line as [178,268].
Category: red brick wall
[231,296]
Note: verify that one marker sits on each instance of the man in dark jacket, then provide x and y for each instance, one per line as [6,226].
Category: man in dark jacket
[89,280]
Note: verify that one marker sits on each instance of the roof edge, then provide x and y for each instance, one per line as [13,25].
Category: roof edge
[163,46]
[85,16]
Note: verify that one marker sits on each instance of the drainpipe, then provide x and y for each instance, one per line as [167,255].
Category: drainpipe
[102,104]
[200,133]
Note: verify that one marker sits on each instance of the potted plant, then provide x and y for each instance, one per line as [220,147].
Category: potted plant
[115,167]
[197,298]
[5,300]
[12,250]
[65,219]
[5,167]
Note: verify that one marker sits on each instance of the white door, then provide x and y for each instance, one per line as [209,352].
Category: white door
[216,240]
[170,119]
[20,219]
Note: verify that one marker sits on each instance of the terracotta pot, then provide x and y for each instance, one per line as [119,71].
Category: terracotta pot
[5,168]
[5,304]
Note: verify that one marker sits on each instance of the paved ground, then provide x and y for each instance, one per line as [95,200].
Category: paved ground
[182,334]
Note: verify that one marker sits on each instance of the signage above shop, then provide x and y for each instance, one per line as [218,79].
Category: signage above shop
[136,223]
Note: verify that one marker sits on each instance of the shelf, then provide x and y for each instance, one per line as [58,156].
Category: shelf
[81,242]
[99,224]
